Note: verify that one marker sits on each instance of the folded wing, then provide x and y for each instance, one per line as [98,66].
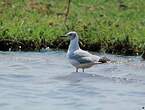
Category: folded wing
[84,57]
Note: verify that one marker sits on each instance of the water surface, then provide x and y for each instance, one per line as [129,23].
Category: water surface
[46,81]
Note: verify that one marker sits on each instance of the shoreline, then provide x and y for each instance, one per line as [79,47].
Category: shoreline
[120,48]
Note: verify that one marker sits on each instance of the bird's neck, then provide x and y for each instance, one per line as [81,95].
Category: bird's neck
[74,45]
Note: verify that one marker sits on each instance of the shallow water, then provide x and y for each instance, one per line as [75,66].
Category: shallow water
[46,81]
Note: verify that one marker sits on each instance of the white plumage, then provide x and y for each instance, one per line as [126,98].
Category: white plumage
[78,57]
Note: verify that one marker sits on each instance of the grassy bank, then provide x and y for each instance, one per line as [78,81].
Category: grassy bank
[113,26]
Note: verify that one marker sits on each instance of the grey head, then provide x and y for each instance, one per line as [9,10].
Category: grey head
[72,35]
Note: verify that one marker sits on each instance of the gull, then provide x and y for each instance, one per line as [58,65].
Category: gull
[80,58]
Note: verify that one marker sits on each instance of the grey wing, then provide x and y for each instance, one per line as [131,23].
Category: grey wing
[83,57]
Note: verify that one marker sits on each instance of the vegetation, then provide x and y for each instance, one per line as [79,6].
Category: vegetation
[113,26]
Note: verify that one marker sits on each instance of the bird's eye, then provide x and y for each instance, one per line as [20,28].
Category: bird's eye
[70,34]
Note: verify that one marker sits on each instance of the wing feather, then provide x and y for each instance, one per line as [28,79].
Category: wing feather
[84,57]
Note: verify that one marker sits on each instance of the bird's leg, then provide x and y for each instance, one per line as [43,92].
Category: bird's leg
[83,69]
[76,69]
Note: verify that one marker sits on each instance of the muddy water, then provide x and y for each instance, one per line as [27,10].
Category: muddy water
[46,81]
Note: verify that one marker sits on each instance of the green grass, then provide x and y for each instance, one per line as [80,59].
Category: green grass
[113,26]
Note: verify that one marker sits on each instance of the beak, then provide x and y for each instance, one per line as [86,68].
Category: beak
[66,35]
[63,36]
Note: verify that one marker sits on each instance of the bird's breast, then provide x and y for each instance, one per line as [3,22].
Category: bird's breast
[74,62]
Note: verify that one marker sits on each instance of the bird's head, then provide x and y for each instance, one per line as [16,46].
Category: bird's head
[72,35]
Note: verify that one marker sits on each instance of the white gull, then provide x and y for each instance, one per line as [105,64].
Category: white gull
[80,58]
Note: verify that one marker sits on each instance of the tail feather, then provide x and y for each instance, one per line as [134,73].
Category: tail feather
[104,60]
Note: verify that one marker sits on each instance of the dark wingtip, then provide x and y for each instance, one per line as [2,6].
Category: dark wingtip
[104,60]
